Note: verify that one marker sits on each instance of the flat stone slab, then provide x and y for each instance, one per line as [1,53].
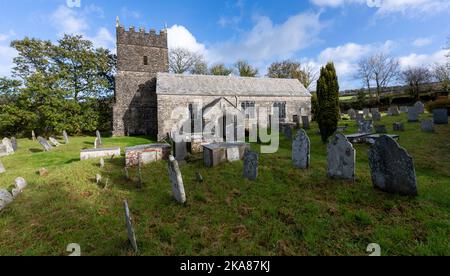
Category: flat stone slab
[356,137]
[392,168]
[148,153]
[301,148]
[218,153]
[98,153]
[370,139]
[341,157]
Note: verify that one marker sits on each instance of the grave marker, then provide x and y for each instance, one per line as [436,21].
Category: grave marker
[130,229]
[440,116]
[341,158]
[176,179]
[301,147]
[251,160]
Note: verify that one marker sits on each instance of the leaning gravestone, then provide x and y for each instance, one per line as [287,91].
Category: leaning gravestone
[301,147]
[5,198]
[398,127]
[176,179]
[305,122]
[251,160]
[376,116]
[14,143]
[2,168]
[413,114]
[66,137]
[54,142]
[352,114]
[392,168]
[427,126]
[99,137]
[44,143]
[420,107]
[365,126]
[8,145]
[341,158]
[130,230]
[380,129]
[440,116]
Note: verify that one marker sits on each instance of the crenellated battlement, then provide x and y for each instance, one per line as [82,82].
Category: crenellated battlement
[141,37]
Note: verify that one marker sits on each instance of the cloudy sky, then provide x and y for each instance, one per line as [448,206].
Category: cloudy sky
[260,31]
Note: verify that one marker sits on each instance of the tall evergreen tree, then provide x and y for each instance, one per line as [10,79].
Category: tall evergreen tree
[328,101]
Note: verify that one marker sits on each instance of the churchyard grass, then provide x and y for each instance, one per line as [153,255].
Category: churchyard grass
[286,211]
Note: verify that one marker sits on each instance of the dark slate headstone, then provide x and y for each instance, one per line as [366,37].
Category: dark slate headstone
[305,122]
[2,168]
[365,126]
[398,126]
[420,107]
[130,229]
[176,179]
[301,147]
[376,116]
[427,126]
[440,116]
[359,117]
[287,132]
[14,143]
[341,158]
[66,137]
[180,151]
[392,168]
[44,143]
[251,160]
[413,114]
[380,129]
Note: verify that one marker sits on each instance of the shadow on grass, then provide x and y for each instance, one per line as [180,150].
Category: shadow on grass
[36,150]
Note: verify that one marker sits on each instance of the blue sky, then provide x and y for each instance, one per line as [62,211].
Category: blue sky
[260,31]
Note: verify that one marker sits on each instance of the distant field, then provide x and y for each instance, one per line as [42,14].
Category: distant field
[285,212]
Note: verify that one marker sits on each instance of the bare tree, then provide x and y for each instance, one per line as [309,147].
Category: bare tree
[182,60]
[415,77]
[245,69]
[365,73]
[441,72]
[385,69]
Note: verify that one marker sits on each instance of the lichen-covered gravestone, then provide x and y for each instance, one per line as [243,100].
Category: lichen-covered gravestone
[251,160]
[427,126]
[341,158]
[5,198]
[365,126]
[392,168]
[301,147]
[398,126]
[8,145]
[130,230]
[413,114]
[66,137]
[2,168]
[14,143]
[54,142]
[44,143]
[440,116]
[176,179]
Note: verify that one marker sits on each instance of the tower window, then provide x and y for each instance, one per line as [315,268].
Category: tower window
[145,60]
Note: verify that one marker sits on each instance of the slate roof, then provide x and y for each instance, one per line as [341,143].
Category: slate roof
[176,84]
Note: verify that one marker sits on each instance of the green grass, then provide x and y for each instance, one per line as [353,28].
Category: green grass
[285,212]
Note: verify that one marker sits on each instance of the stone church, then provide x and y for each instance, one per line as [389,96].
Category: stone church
[146,93]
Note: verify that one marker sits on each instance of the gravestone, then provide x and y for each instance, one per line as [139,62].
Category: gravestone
[365,126]
[427,126]
[359,117]
[376,116]
[392,168]
[14,143]
[366,112]
[102,163]
[66,137]
[440,116]
[251,160]
[3,150]
[180,151]
[374,110]
[398,126]
[2,168]
[176,179]
[54,142]
[33,136]
[413,114]
[130,230]
[98,179]
[380,129]
[352,114]
[420,107]
[287,132]
[305,122]
[97,143]
[404,109]
[393,111]
[98,153]
[8,145]
[99,137]
[341,158]
[44,143]
[233,154]
[5,198]
[20,183]
[301,147]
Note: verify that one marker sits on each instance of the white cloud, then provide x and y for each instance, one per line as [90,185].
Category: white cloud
[103,39]
[414,59]
[180,37]
[421,42]
[7,36]
[6,53]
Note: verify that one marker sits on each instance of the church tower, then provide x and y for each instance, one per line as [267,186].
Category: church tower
[140,56]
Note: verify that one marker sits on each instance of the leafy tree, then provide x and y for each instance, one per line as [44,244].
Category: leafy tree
[289,69]
[245,69]
[200,68]
[328,101]
[220,70]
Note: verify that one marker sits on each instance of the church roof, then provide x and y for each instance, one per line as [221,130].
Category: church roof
[176,84]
